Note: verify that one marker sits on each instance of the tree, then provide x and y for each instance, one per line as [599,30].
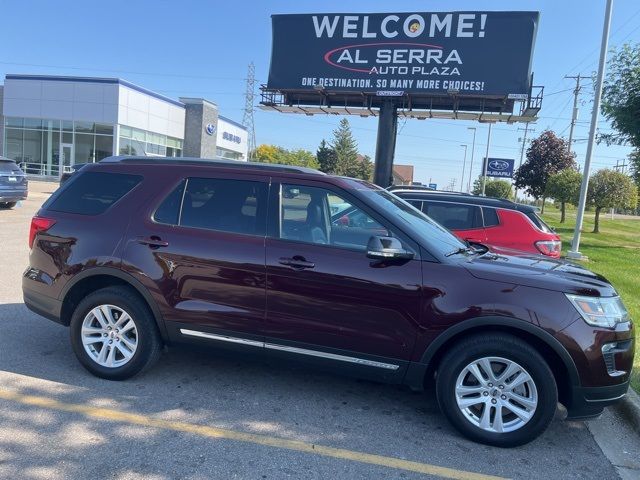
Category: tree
[327,159]
[366,169]
[275,154]
[547,154]
[621,96]
[493,188]
[564,187]
[634,160]
[346,150]
[611,189]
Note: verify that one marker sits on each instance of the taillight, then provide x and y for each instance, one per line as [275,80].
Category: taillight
[39,224]
[551,248]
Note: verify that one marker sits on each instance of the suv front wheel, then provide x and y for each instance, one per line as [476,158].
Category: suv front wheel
[113,334]
[496,389]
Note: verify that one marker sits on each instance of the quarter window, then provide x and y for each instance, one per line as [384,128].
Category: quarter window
[169,210]
[235,206]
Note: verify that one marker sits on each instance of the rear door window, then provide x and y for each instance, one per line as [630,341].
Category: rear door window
[93,193]
[454,216]
[490,217]
[235,206]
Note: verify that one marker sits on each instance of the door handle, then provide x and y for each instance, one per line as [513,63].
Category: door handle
[153,242]
[297,262]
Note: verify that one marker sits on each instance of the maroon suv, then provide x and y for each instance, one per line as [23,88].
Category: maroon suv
[136,253]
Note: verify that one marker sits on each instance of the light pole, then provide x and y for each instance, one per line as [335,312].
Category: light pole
[473,150]
[464,163]
[486,161]
[575,244]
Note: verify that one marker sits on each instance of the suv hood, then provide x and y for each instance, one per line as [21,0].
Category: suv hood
[538,271]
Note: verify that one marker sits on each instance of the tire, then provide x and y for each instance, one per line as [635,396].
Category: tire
[464,399]
[7,205]
[95,322]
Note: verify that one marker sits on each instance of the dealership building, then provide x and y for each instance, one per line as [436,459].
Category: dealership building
[49,123]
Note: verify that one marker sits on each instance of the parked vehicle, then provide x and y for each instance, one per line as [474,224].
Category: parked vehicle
[14,185]
[490,221]
[135,253]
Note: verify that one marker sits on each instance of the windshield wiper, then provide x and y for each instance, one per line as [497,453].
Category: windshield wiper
[461,250]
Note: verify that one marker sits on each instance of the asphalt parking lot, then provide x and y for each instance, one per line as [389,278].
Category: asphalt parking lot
[198,415]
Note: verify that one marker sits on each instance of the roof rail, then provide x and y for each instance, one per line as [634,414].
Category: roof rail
[214,162]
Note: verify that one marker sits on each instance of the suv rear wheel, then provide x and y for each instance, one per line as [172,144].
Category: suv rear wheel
[114,335]
[7,204]
[497,389]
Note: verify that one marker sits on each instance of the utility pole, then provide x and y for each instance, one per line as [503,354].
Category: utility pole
[620,167]
[464,162]
[247,118]
[524,144]
[473,149]
[574,253]
[486,161]
[574,116]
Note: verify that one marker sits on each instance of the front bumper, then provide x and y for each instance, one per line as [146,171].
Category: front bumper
[588,402]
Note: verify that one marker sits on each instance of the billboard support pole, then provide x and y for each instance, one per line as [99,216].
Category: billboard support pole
[386,143]
[486,161]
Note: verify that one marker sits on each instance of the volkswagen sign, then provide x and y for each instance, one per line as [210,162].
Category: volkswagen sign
[500,167]
[210,129]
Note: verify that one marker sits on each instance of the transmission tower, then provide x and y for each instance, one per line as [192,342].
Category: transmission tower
[247,118]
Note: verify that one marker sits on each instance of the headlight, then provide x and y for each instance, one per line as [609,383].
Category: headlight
[600,311]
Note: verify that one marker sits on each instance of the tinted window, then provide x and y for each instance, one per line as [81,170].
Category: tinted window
[235,206]
[10,167]
[169,210]
[538,222]
[454,216]
[92,193]
[490,217]
[416,203]
[316,215]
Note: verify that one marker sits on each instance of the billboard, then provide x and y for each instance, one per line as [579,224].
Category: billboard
[500,167]
[476,54]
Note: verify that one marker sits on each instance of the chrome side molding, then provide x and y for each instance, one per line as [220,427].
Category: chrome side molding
[289,349]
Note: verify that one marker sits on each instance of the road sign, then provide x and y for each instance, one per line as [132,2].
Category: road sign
[500,167]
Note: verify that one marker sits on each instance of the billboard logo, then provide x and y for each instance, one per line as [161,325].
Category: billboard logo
[500,167]
[210,129]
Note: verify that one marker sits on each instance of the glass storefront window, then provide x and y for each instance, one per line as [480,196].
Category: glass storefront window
[84,127]
[67,125]
[104,129]
[125,146]
[125,132]
[103,148]
[34,123]
[14,122]
[13,144]
[84,148]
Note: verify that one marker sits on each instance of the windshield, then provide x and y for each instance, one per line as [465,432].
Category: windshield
[439,239]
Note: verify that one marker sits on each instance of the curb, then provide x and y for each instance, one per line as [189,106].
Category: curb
[629,409]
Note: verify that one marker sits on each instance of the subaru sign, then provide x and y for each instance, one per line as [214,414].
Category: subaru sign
[484,53]
[500,167]
[210,128]
[433,186]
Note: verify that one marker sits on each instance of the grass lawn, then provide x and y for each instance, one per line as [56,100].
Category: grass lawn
[614,253]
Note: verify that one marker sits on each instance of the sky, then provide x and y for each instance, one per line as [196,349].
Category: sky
[202,49]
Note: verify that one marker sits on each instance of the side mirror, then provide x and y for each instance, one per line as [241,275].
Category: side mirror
[387,248]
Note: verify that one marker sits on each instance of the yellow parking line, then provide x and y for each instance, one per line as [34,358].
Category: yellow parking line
[212,432]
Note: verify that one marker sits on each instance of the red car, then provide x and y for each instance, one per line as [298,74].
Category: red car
[493,222]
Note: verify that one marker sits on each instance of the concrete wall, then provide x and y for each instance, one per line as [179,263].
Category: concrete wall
[232,136]
[1,121]
[198,142]
[61,100]
[138,110]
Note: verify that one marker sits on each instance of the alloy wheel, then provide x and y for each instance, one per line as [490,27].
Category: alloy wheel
[496,394]
[109,336]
